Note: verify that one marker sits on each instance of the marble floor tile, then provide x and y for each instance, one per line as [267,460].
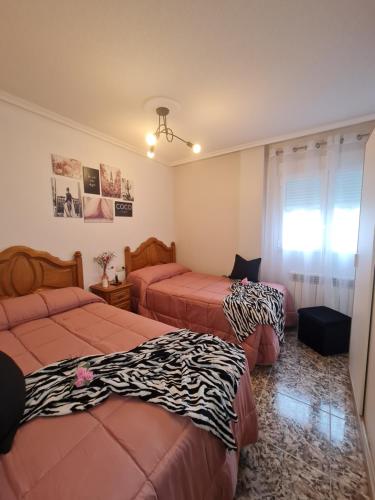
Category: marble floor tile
[310,388]
[309,444]
[273,474]
[299,355]
[296,427]
[346,455]
[340,377]
[259,377]
[301,482]
[341,399]
[341,490]
[260,471]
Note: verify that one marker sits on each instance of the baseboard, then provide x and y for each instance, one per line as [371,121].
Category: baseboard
[369,461]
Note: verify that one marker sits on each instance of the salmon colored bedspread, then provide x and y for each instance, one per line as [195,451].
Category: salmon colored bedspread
[124,448]
[173,294]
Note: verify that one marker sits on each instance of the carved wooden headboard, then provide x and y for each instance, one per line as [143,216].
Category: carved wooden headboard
[24,270]
[149,253]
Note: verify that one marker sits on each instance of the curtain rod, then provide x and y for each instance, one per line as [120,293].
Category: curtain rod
[319,144]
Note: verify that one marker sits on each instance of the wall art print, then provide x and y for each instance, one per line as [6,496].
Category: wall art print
[110,181]
[67,167]
[66,197]
[123,209]
[91,183]
[127,189]
[97,209]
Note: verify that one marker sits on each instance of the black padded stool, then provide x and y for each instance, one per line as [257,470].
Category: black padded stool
[324,330]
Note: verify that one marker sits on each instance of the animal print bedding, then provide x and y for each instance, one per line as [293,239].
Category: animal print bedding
[251,304]
[187,373]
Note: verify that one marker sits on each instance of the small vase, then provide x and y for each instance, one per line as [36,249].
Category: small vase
[105,281]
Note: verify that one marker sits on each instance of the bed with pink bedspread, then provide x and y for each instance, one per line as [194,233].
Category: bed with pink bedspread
[123,448]
[173,294]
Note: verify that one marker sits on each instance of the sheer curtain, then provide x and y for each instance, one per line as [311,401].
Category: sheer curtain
[311,221]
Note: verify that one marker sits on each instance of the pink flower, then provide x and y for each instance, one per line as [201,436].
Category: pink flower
[83,376]
[245,281]
[80,372]
[80,382]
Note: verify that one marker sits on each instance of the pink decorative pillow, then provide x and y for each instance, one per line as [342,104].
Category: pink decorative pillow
[142,278]
[17,310]
[22,309]
[63,299]
[152,274]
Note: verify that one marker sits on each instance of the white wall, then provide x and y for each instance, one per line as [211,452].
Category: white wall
[26,217]
[362,337]
[364,278]
[219,206]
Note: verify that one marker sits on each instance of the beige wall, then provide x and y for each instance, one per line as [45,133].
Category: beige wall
[26,216]
[218,210]
[211,208]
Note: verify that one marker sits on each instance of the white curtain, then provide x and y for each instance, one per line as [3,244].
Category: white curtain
[311,221]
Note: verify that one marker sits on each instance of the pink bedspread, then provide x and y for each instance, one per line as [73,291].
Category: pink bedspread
[173,294]
[124,448]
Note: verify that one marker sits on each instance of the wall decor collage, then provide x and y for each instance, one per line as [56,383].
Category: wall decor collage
[107,193]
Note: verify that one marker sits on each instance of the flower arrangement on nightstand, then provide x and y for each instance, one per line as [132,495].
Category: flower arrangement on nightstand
[103,260]
[115,293]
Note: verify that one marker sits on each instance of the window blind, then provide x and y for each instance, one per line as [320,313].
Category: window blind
[348,186]
[302,193]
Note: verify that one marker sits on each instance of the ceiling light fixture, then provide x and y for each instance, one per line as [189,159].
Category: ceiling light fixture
[163,128]
[151,152]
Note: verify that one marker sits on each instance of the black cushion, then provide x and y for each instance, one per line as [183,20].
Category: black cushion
[245,269]
[12,400]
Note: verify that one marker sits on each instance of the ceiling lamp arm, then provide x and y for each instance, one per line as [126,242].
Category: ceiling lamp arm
[163,128]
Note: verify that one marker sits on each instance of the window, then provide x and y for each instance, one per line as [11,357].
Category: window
[345,217]
[302,218]
[313,196]
[309,223]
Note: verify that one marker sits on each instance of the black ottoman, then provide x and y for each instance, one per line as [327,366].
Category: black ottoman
[324,330]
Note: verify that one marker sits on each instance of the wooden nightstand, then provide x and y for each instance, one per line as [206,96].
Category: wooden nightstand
[115,295]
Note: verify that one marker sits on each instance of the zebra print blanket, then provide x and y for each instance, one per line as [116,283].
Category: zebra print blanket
[252,304]
[188,373]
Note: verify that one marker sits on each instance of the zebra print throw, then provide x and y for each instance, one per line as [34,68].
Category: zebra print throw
[252,304]
[187,373]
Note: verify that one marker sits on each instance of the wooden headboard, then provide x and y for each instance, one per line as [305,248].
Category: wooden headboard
[24,270]
[149,253]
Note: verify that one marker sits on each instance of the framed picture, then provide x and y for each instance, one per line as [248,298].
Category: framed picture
[91,184]
[67,167]
[127,189]
[97,209]
[123,209]
[66,197]
[110,181]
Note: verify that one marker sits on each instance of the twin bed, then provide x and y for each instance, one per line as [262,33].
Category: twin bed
[123,448]
[171,293]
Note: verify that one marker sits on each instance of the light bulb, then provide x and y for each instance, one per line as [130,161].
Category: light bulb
[197,148]
[150,154]
[151,139]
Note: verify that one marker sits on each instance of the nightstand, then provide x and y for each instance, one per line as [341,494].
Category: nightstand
[115,295]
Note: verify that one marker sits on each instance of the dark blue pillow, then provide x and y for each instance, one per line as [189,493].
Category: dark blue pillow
[12,400]
[245,269]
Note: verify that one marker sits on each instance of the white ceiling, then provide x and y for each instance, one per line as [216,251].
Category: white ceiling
[242,70]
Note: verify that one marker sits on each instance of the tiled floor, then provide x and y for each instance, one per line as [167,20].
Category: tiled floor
[309,446]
